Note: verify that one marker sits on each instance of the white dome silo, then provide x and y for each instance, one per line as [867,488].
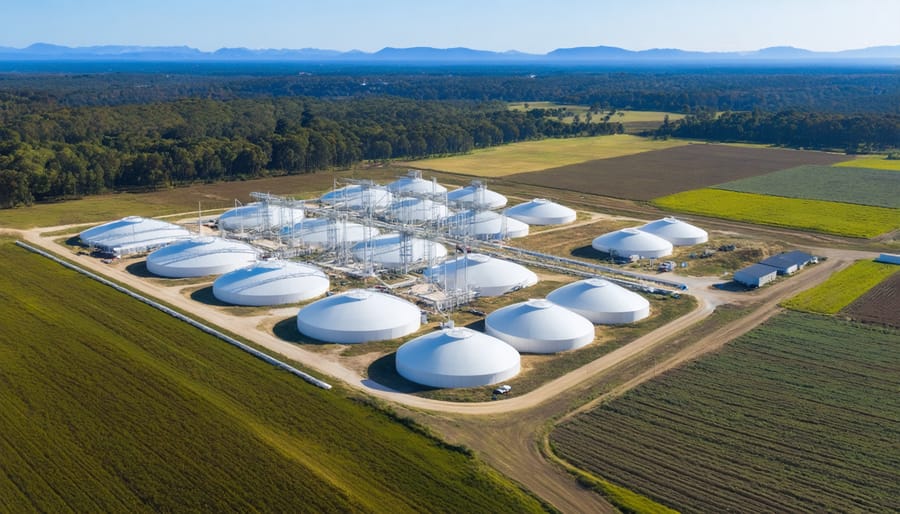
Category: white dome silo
[483,274]
[414,183]
[358,316]
[631,241]
[416,210]
[199,257]
[601,301]
[394,251]
[457,357]
[271,283]
[359,197]
[484,225]
[539,326]
[677,232]
[541,211]
[133,234]
[477,196]
[323,232]
[258,216]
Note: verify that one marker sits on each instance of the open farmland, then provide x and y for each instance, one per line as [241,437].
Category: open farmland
[864,186]
[500,161]
[842,288]
[633,121]
[843,219]
[109,405]
[649,175]
[878,163]
[801,414]
[881,304]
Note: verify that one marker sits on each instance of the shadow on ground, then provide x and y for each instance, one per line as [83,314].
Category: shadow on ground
[384,372]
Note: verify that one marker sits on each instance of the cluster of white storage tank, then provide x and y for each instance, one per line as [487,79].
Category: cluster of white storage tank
[651,241]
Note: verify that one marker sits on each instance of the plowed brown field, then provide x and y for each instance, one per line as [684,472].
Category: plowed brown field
[881,304]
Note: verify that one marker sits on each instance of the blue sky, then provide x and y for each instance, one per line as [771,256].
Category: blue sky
[535,26]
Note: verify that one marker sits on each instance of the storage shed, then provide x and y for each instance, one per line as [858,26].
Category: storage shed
[755,275]
[788,263]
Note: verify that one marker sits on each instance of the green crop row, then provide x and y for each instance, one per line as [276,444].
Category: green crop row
[842,288]
[829,217]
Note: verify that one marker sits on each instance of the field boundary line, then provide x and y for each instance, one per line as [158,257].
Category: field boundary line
[187,319]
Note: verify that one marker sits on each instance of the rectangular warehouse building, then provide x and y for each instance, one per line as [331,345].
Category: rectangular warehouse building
[755,275]
[789,262]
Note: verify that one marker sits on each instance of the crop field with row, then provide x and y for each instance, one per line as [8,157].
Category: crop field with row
[878,163]
[108,405]
[799,415]
[864,186]
[500,161]
[842,288]
[648,175]
[843,219]
[881,304]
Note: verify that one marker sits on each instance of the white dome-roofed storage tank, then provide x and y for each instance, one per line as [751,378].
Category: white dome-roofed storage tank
[483,274]
[272,282]
[358,316]
[631,241]
[541,211]
[457,357]
[199,257]
[416,210]
[414,183]
[359,197]
[601,301]
[539,326]
[320,232]
[676,231]
[393,251]
[133,234]
[259,216]
[476,195]
[484,225]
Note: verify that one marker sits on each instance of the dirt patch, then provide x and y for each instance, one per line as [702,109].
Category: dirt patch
[658,173]
[881,304]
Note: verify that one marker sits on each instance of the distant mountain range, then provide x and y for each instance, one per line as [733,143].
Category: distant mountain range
[428,55]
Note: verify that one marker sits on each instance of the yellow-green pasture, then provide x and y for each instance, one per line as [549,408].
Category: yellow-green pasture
[623,116]
[842,219]
[842,288]
[878,163]
[500,161]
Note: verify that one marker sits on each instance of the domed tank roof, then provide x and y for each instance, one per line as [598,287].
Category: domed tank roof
[271,282]
[539,326]
[258,216]
[457,357]
[601,301]
[483,274]
[386,250]
[320,232]
[359,197]
[358,316]
[133,234]
[541,211]
[477,196]
[416,210]
[199,257]
[677,232]
[631,241]
[414,183]
[485,225]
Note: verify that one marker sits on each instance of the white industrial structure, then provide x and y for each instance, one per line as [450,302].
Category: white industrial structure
[631,241]
[476,196]
[485,275]
[541,211]
[457,357]
[259,217]
[414,210]
[675,231]
[328,232]
[398,251]
[272,282]
[414,183]
[601,301]
[539,326]
[358,316]
[199,257]
[133,234]
[484,225]
[364,197]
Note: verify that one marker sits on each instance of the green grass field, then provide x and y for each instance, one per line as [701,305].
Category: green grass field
[842,288]
[513,158]
[878,163]
[829,217]
[864,186]
[799,415]
[108,405]
[620,116]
